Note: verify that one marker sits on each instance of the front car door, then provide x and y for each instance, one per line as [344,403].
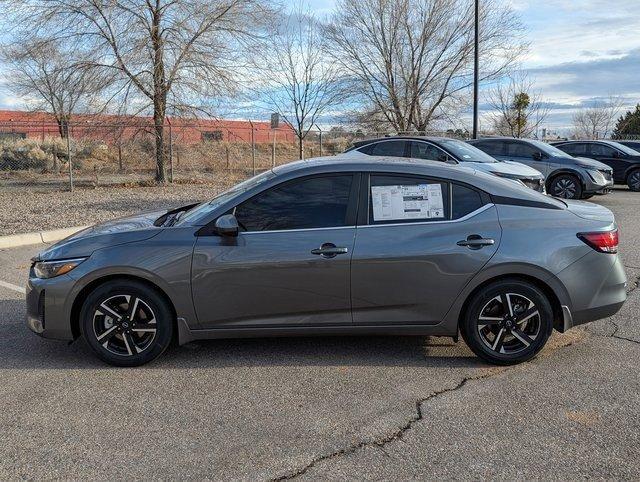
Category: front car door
[525,153]
[418,243]
[289,265]
[427,151]
[611,157]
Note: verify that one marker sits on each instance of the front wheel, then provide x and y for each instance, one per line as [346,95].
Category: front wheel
[126,323]
[507,322]
[566,186]
[633,181]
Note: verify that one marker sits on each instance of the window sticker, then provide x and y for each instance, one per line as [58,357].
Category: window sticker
[422,201]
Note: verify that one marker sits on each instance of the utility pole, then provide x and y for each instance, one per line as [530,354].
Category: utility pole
[476,56]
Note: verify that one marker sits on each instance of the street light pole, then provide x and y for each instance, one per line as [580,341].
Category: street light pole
[476,55]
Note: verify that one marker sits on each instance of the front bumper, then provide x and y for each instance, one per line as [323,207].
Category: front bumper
[604,187]
[597,287]
[46,311]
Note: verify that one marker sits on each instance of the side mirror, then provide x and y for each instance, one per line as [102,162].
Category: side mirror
[227,225]
[537,156]
[618,154]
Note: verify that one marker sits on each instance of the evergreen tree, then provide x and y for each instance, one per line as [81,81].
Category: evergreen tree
[628,124]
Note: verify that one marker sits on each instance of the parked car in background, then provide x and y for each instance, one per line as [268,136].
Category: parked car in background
[566,176]
[624,160]
[448,150]
[635,145]
[341,247]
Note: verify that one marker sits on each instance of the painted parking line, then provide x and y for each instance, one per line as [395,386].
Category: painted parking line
[19,289]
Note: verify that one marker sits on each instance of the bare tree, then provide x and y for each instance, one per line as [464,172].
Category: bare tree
[303,84]
[410,61]
[174,55]
[41,72]
[596,121]
[518,108]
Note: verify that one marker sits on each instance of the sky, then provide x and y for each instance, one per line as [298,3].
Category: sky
[581,52]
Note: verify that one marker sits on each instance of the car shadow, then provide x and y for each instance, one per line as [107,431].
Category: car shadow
[22,349]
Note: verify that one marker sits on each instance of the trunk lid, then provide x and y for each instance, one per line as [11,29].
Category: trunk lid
[588,210]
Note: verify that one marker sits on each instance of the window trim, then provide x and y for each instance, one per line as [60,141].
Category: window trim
[352,202]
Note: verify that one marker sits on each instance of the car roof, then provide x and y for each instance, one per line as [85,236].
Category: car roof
[402,165]
[365,142]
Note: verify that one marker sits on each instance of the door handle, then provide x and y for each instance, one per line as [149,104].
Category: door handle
[329,250]
[475,241]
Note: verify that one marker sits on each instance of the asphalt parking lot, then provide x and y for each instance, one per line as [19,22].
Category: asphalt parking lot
[329,408]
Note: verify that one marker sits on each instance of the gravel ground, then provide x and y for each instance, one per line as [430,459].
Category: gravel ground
[27,210]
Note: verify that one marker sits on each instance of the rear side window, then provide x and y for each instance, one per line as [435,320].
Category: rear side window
[407,199]
[318,202]
[464,201]
[493,148]
[385,148]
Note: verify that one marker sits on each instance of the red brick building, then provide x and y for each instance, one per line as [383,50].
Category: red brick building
[111,128]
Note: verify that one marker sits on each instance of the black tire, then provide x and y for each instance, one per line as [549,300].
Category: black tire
[508,341]
[566,186]
[587,196]
[133,339]
[633,180]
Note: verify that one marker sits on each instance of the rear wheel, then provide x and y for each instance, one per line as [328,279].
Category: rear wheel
[633,180]
[566,186]
[126,323]
[507,322]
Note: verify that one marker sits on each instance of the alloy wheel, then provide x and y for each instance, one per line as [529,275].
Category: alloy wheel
[565,188]
[634,181]
[509,323]
[124,325]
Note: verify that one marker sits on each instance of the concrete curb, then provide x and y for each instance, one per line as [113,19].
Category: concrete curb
[15,240]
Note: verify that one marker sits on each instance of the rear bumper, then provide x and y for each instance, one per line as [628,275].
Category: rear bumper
[597,286]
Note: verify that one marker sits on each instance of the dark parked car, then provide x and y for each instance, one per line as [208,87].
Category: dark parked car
[635,145]
[336,246]
[624,161]
[448,150]
[567,176]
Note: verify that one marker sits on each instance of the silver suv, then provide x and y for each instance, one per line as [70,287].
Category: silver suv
[567,176]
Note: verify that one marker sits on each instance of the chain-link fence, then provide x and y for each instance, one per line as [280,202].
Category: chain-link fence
[40,155]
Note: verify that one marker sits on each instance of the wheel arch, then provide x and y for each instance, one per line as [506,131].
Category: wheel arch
[560,172]
[627,173]
[82,294]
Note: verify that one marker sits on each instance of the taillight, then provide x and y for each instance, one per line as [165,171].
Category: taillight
[605,242]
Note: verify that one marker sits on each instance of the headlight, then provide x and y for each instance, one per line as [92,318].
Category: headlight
[51,269]
[596,176]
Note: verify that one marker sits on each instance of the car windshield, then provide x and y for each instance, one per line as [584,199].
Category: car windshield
[466,152]
[548,149]
[208,206]
[627,150]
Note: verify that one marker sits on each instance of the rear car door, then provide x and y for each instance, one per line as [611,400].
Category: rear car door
[418,243]
[290,264]
[389,148]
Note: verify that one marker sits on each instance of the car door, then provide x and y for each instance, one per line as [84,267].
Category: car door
[419,241]
[525,153]
[611,157]
[289,265]
[427,151]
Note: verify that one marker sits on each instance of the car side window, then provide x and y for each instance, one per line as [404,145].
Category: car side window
[493,148]
[316,202]
[602,150]
[464,201]
[577,149]
[407,199]
[520,149]
[424,150]
[385,148]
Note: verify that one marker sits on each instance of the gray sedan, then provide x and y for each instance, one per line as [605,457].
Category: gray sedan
[336,246]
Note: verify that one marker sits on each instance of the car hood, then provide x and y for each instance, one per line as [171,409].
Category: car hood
[592,164]
[111,233]
[509,168]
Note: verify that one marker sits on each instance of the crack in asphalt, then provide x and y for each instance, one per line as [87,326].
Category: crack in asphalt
[417,417]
